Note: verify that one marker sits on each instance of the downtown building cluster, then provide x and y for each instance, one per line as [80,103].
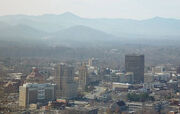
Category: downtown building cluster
[88,88]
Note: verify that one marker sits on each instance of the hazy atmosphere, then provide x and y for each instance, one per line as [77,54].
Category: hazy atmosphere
[89,56]
[133,9]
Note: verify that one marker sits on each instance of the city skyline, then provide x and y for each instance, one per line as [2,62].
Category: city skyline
[90,56]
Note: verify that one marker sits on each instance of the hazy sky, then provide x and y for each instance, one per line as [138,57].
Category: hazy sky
[136,9]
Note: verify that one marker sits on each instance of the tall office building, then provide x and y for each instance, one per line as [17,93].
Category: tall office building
[83,77]
[32,93]
[135,63]
[64,79]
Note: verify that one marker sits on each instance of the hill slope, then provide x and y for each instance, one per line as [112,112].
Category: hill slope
[81,35]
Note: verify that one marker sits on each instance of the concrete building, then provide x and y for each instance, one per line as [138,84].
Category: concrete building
[157,69]
[64,79]
[83,78]
[135,63]
[33,93]
[126,77]
[148,78]
[121,86]
[163,77]
[135,106]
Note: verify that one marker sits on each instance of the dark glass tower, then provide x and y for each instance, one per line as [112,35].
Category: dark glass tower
[135,63]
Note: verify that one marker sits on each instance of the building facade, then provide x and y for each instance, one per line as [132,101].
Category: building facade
[126,78]
[33,93]
[83,78]
[64,79]
[157,69]
[135,63]
[178,70]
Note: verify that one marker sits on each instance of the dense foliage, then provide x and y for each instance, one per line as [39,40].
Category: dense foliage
[140,97]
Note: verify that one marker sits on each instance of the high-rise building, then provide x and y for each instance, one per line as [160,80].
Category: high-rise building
[83,78]
[135,63]
[178,70]
[32,93]
[64,79]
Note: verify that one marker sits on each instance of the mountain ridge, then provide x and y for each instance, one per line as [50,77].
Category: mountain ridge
[158,26]
[48,25]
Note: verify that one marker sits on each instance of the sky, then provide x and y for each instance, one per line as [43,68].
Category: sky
[132,9]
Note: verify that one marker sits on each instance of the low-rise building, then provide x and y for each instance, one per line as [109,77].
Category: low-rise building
[126,77]
[120,86]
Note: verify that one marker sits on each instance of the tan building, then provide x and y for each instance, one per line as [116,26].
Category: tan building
[32,93]
[120,86]
[83,78]
[157,69]
[65,84]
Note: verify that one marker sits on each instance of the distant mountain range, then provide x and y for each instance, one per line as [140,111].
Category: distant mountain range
[67,27]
